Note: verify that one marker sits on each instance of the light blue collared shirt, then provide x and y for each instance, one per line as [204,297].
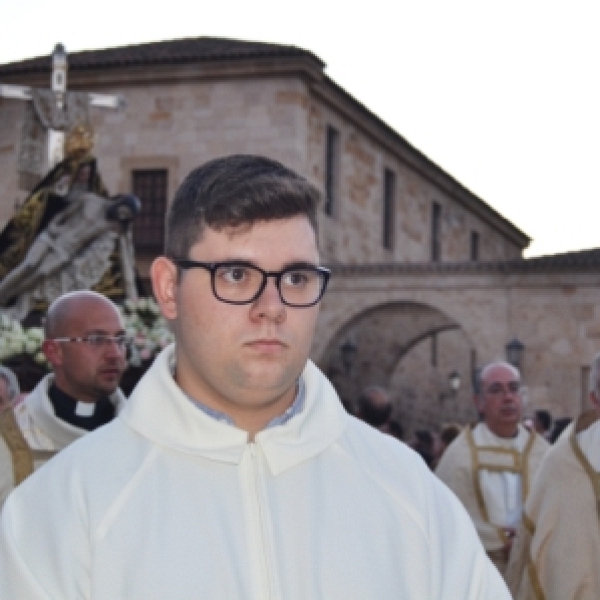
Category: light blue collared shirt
[295,408]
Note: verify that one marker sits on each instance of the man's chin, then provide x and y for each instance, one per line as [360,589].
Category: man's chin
[109,386]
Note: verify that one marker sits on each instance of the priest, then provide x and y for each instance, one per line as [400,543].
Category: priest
[558,546]
[490,466]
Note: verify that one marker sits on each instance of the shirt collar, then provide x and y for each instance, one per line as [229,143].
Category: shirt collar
[294,409]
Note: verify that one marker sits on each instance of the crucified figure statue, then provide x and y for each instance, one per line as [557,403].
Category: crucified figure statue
[87,217]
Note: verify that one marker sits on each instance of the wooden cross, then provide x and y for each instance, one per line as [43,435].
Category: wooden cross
[56,139]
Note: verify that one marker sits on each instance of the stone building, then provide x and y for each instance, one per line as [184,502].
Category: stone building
[429,280]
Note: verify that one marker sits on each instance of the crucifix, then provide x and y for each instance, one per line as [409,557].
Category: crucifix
[52,106]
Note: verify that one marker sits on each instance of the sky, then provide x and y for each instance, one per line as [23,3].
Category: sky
[503,96]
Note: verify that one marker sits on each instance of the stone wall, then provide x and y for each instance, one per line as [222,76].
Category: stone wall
[555,315]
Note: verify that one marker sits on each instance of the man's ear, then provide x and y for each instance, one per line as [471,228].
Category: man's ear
[53,352]
[163,273]
[595,401]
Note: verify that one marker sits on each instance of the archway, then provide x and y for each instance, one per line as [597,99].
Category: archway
[410,348]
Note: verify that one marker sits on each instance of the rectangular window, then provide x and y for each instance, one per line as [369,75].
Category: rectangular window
[436,219]
[474,246]
[332,151]
[149,226]
[389,184]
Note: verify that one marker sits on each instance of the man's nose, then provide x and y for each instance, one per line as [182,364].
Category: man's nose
[269,303]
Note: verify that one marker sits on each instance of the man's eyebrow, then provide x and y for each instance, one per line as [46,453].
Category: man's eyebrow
[293,264]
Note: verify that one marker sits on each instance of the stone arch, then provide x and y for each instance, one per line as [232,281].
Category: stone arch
[396,333]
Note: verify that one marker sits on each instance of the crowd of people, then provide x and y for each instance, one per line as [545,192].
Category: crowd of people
[234,463]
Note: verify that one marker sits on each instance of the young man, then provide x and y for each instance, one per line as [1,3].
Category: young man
[557,548]
[490,466]
[234,463]
[85,344]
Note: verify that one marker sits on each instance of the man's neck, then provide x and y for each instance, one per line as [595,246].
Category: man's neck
[84,415]
[506,432]
[254,421]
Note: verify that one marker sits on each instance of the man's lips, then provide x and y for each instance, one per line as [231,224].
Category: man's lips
[267,345]
[112,372]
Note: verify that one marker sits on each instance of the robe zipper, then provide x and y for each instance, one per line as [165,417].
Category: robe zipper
[263,547]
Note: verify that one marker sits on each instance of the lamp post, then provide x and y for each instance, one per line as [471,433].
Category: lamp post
[454,381]
[514,353]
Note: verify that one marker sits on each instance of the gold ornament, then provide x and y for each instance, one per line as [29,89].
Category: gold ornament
[80,141]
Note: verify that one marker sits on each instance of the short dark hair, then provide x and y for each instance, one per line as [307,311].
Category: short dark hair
[234,191]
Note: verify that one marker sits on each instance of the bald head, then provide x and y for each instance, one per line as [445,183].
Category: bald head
[64,310]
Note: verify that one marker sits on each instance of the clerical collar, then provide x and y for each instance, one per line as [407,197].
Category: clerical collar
[85,415]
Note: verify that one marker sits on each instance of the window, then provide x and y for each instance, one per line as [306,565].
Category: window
[474,245]
[389,184]
[436,217]
[149,226]
[331,170]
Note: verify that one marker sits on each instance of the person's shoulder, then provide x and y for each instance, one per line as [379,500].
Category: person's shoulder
[560,460]
[456,454]
[96,465]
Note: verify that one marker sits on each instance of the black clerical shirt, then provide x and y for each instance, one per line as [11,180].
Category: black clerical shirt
[65,408]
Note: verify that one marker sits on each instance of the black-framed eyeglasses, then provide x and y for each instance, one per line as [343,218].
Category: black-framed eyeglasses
[98,341]
[237,282]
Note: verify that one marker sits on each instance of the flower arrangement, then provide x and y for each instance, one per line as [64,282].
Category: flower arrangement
[147,328]
[15,340]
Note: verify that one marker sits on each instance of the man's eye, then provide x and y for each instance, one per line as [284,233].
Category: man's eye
[95,340]
[234,274]
[296,278]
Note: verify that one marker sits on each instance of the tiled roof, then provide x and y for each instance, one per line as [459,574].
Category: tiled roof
[583,260]
[165,52]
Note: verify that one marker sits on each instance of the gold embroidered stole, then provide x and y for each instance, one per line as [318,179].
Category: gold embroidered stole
[492,458]
[583,422]
[22,457]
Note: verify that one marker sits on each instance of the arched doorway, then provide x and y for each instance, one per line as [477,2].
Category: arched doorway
[411,349]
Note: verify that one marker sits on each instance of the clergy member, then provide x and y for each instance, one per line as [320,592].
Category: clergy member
[490,466]
[85,345]
[558,546]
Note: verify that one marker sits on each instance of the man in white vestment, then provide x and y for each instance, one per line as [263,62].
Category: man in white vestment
[490,466]
[233,471]
[85,344]
[557,551]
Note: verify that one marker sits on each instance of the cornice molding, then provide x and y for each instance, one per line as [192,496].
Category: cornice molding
[585,261]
